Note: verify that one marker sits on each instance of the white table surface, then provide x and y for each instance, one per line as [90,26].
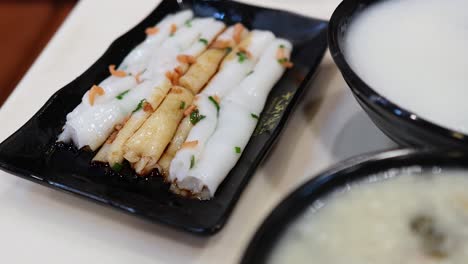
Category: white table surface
[40,225]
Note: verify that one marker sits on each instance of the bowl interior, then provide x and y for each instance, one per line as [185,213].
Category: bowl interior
[402,125]
[354,170]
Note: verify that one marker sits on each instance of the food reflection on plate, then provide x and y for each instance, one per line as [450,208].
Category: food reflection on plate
[185,102]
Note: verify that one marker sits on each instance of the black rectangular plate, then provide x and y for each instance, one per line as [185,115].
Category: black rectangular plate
[31,152]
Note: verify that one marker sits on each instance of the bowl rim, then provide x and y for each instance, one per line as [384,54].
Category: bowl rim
[364,91]
[331,179]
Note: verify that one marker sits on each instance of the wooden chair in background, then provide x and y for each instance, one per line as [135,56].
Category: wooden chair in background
[26,26]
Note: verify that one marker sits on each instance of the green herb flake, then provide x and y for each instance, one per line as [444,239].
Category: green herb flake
[204,41]
[195,117]
[250,72]
[182,105]
[228,50]
[241,56]
[117,167]
[139,106]
[237,149]
[192,161]
[121,95]
[281,46]
[171,35]
[213,100]
[254,115]
[283,60]
[188,23]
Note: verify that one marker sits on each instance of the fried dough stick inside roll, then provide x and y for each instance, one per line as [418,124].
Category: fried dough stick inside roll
[159,80]
[201,72]
[179,138]
[146,146]
[196,78]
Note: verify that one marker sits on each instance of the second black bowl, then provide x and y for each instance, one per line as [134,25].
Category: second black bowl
[354,170]
[403,126]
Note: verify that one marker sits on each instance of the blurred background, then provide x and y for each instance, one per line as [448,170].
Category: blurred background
[26,27]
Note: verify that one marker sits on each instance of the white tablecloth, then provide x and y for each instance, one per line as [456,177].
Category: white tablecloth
[40,225]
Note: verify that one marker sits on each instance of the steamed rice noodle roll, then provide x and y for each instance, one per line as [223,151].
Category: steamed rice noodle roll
[185,39]
[202,129]
[120,81]
[233,70]
[239,63]
[137,60]
[196,78]
[93,127]
[254,90]
[237,120]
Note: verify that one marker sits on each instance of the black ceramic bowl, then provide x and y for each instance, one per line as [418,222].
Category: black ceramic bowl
[355,169]
[403,126]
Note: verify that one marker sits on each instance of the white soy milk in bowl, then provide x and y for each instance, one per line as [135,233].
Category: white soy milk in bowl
[415,54]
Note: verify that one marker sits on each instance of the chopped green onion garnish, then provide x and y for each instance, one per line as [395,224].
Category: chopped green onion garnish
[281,46]
[237,149]
[117,167]
[139,106]
[254,115]
[283,60]
[228,49]
[214,102]
[188,23]
[121,95]
[241,56]
[192,161]
[182,105]
[204,41]
[195,117]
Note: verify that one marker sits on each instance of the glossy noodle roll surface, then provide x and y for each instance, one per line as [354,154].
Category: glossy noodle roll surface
[238,63]
[137,60]
[222,150]
[196,139]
